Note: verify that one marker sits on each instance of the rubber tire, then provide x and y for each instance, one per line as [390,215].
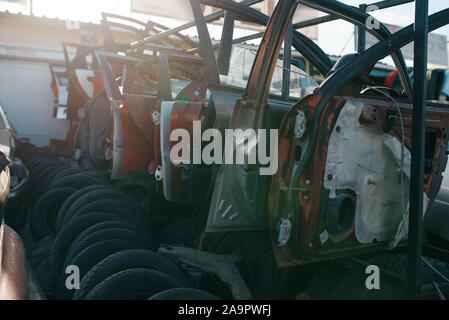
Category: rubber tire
[32,163]
[77,181]
[66,172]
[102,194]
[183,294]
[17,212]
[115,206]
[96,173]
[45,177]
[92,255]
[132,284]
[123,224]
[48,176]
[45,211]
[95,195]
[83,242]
[35,174]
[40,166]
[65,237]
[40,251]
[180,232]
[73,171]
[71,200]
[128,259]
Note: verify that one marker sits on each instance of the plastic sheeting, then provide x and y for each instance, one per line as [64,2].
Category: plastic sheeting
[369,164]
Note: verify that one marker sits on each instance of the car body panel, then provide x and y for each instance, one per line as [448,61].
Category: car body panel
[313,235]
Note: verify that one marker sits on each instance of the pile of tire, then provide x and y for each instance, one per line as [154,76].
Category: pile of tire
[103,234]
[48,171]
[81,223]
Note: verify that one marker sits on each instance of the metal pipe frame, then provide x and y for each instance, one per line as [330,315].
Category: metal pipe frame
[359,18]
[315,21]
[206,48]
[380,5]
[328,88]
[309,49]
[225,50]
[141,33]
[361,41]
[361,34]
[418,146]
[384,4]
[209,18]
[361,31]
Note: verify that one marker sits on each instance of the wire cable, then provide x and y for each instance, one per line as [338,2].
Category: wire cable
[440,294]
[427,263]
[378,89]
[392,244]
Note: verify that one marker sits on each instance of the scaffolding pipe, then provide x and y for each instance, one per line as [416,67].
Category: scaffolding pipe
[418,147]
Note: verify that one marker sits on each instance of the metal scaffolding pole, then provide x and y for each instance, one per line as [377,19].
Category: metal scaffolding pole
[390,3]
[418,147]
[361,38]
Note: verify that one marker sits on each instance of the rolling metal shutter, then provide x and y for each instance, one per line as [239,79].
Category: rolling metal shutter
[27,99]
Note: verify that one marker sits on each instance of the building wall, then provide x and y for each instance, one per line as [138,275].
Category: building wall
[27,45]
[40,33]
[28,102]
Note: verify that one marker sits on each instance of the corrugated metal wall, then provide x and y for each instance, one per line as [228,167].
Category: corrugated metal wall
[28,101]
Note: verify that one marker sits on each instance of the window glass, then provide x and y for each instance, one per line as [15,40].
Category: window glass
[242,59]
[177,85]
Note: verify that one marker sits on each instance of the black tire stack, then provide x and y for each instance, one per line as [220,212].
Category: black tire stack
[48,171]
[80,219]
